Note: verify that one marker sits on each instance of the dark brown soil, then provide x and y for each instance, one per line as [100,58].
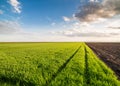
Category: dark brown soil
[109,53]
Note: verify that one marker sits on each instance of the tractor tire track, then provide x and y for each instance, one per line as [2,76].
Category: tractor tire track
[86,70]
[61,68]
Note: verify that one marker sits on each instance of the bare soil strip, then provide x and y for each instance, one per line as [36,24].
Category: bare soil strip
[109,53]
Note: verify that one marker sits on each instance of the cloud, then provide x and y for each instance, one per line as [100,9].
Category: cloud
[16,5]
[66,19]
[93,10]
[115,23]
[88,33]
[12,31]
[9,27]
[93,0]
[1,12]
[92,29]
[114,27]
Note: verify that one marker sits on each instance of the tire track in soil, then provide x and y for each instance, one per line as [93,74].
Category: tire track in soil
[61,68]
[86,79]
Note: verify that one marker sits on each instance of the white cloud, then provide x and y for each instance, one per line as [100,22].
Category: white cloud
[73,31]
[86,32]
[12,31]
[1,12]
[66,19]
[93,0]
[114,24]
[9,27]
[93,31]
[16,5]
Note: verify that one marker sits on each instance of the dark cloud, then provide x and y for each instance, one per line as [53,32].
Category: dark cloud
[93,10]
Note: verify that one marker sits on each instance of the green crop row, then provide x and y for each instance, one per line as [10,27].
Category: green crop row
[33,64]
[73,73]
[52,64]
[85,69]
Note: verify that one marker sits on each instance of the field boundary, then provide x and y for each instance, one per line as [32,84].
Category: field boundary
[108,63]
[61,68]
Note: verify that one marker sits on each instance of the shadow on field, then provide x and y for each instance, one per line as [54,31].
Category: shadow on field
[86,70]
[61,68]
[15,81]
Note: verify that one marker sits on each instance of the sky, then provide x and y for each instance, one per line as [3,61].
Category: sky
[59,20]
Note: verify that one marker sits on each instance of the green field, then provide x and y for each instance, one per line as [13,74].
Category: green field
[52,64]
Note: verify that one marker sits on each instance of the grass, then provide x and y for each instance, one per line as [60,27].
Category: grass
[52,64]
